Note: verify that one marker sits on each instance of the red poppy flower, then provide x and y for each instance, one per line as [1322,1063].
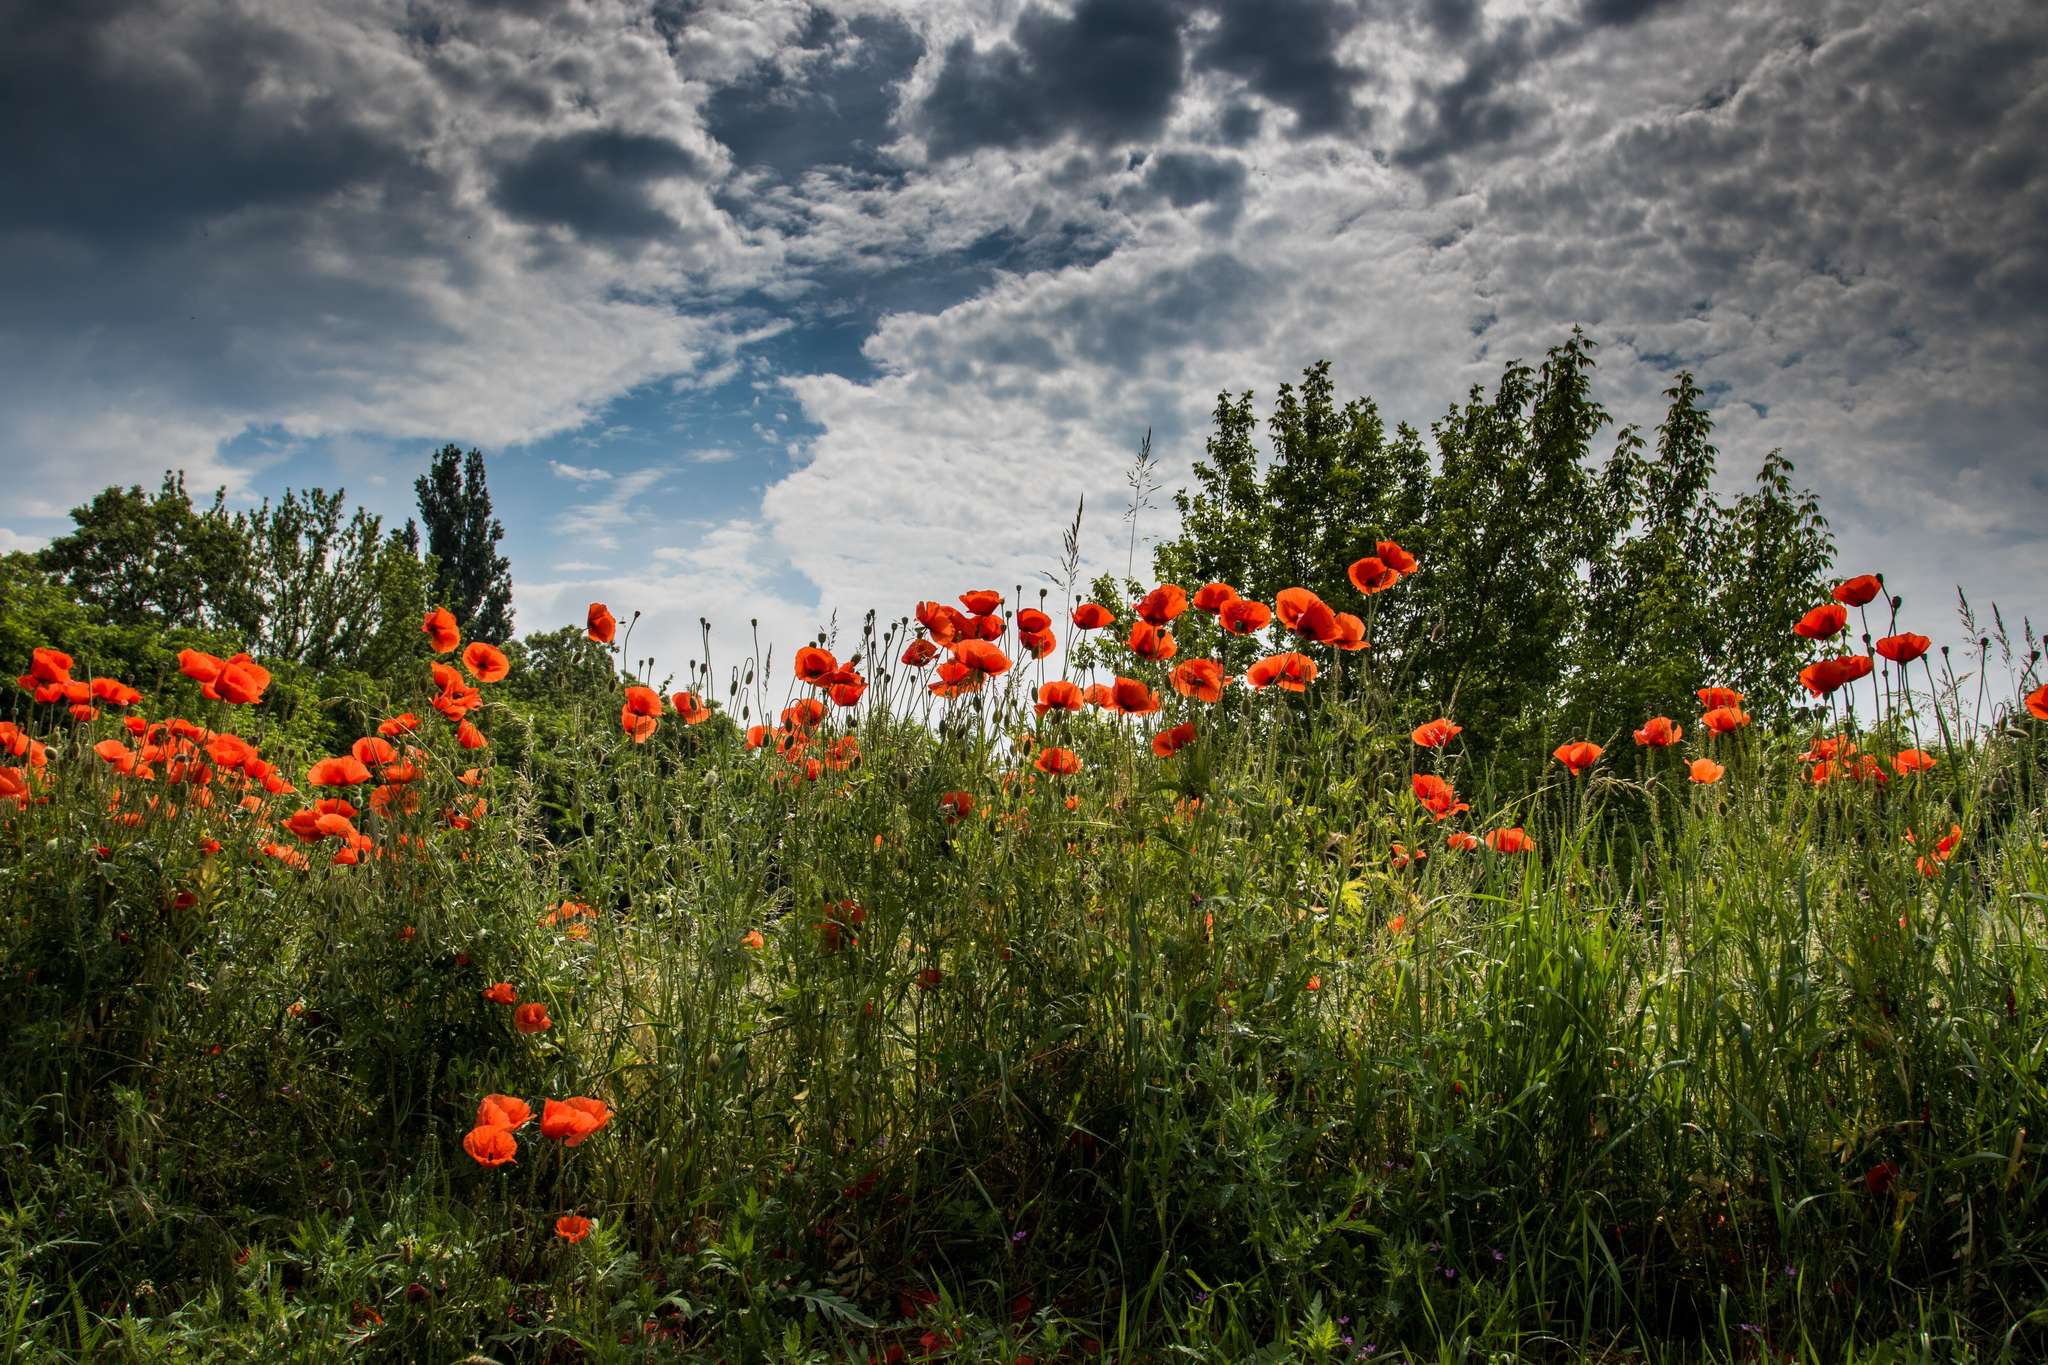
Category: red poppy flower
[2037,702]
[469,737]
[373,752]
[486,663]
[1824,622]
[1858,591]
[1161,604]
[501,993]
[1058,762]
[1132,697]
[1434,734]
[399,725]
[943,623]
[572,1227]
[1038,643]
[337,772]
[1373,574]
[503,1111]
[1723,720]
[1459,838]
[532,1017]
[956,806]
[490,1145]
[116,753]
[1244,616]
[573,1120]
[981,603]
[690,709]
[1058,695]
[1350,634]
[1511,840]
[1659,732]
[114,693]
[1147,641]
[1913,761]
[1706,772]
[1903,648]
[1827,675]
[442,632]
[1395,558]
[48,665]
[1577,756]
[920,652]
[241,680]
[1171,741]
[1031,620]
[1093,616]
[1213,597]
[1713,697]
[1294,672]
[979,656]
[813,665]
[803,714]
[1437,796]
[1202,679]
[1304,613]
[1878,1179]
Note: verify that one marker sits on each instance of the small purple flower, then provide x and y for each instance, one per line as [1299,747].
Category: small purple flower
[1499,1255]
[1750,1328]
[1018,1236]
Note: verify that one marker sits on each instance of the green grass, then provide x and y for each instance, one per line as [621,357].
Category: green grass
[1629,1097]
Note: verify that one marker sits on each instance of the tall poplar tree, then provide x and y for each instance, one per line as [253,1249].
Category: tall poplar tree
[471,578]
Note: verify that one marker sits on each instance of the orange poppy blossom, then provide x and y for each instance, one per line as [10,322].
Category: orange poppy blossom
[491,1146]
[1244,616]
[1402,856]
[1057,762]
[1306,614]
[690,709]
[1214,597]
[813,665]
[1162,604]
[1724,720]
[981,658]
[337,772]
[1459,838]
[1293,672]
[753,941]
[1394,557]
[1712,697]
[1131,697]
[501,993]
[1058,695]
[1910,761]
[1202,679]
[1031,621]
[1038,643]
[442,632]
[2037,702]
[1350,634]
[1659,732]
[1372,574]
[239,680]
[572,1227]
[1171,741]
[640,712]
[957,806]
[1828,675]
[1147,641]
[1510,840]
[600,625]
[503,1111]
[573,1120]
[1092,616]
[1858,591]
[1578,755]
[1903,648]
[1437,796]
[1824,622]
[1705,771]
[919,652]
[532,1017]
[1434,734]
[486,663]
[982,602]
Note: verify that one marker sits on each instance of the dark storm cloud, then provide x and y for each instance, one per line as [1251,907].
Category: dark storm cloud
[1108,73]
[113,145]
[1620,13]
[1474,110]
[1185,179]
[595,183]
[1286,51]
[835,111]
[1451,19]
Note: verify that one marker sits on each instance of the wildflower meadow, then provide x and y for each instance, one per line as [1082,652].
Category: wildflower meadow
[1140,969]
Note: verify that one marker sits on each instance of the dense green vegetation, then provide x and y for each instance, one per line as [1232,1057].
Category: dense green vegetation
[1014,1023]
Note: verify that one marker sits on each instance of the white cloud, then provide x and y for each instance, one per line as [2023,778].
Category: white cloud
[578,473]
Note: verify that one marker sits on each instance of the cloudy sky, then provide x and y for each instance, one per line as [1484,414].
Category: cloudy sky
[770,309]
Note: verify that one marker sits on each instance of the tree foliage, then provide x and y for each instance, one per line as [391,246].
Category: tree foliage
[471,578]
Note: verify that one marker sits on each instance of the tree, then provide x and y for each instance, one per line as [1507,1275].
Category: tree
[140,559]
[471,578]
[337,594]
